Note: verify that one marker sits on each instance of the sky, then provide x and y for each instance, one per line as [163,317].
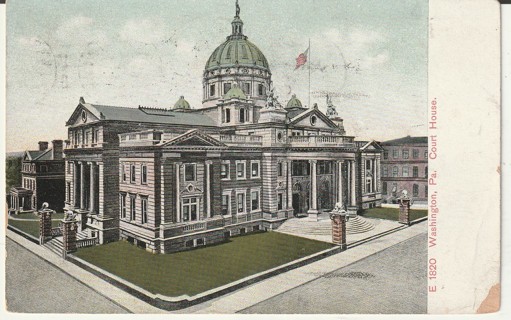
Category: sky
[370,56]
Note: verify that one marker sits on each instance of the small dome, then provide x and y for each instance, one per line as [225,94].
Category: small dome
[181,104]
[294,103]
[235,92]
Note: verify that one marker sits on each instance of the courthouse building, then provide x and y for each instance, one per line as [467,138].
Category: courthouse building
[171,179]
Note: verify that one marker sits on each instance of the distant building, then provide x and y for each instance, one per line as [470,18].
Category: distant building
[405,167]
[369,158]
[42,179]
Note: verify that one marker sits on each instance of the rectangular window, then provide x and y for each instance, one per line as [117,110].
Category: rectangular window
[240,202]
[415,171]
[405,153]
[405,171]
[227,115]
[384,188]
[190,209]
[227,87]
[144,174]
[368,185]
[395,153]
[143,209]
[132,174]
[426,172]
[415,190]
[394,189]
[226,204]
[246,88]
[123,168]
[280,201]
[240,170]
[385,171]
[122,205]
[190,172]
[415,153]
[254,172]
[368,164]
[280,169]
[260,89]
[212,90]
[133,208]
[224,171]
[425,154]
[395,171]
[385,155]
[254,198]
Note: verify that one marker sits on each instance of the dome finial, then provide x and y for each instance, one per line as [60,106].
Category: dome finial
[237,9]
[237,24]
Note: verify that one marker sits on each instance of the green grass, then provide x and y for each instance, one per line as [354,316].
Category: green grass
[196,271]
[29,226]
[392,213]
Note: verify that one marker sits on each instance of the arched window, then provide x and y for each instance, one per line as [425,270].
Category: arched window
[242,115]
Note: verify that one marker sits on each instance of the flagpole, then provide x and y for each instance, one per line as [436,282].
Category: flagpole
[309,72]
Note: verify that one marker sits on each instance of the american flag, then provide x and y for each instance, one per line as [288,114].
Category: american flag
[302,58]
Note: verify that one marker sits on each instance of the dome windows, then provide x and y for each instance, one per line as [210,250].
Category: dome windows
[314,120]
[244,52]
[228,54]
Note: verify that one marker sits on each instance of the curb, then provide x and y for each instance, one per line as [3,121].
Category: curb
[23,234]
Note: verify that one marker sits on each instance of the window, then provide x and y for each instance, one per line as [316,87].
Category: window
[190,172]
[123,173]
[254,172]
[224,171]
[68,189]
[395,153]
[405,153]
[415,190]
[122,205]
[385,155]
[368,164]
[385,171]
[240,203]
[426,191]
[254,199]
[242,115]
[227,87]
[280,169]
[132,207]
[301,168]
[280,201]
[240,170]
[415,171]
[227,115]
[368,185]
[44,168]
[405,171]
[324,167]
[190,209]
[246,88]
[260,89]
[132,173]
[144,174]
[426,172]
[211,90]
[226,204]
[384,188]
[415,153]
[143,209]
[395,171]
[425,154]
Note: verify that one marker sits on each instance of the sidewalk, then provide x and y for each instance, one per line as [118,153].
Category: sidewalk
[240,299]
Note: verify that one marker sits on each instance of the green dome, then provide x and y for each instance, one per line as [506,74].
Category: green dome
[181,104]
[235,92]
[237,52]
[294,103]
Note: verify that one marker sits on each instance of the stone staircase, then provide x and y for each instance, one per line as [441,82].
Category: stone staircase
[56,245]
[323,226]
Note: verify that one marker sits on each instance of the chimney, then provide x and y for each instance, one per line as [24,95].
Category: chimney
[57,149]
[43,145]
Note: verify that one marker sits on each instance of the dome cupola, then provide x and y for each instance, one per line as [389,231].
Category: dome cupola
[294,103]
[181,104]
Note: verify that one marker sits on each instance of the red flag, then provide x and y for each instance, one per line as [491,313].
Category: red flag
[302,59]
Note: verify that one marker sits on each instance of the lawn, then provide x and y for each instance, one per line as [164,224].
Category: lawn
[31,216]
[31,226]
[199,270]
[392,213]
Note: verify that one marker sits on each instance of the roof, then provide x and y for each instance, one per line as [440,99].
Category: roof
[34,155]
[148,115]
[235,92]
[291,113]
[181,104]
[294,102]
[406,140]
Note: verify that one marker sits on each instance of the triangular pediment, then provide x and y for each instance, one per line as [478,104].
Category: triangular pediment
[194,138]
[82,114]
[371,145]
[313,118]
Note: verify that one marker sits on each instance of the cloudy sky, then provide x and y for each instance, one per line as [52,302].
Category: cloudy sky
[370,56]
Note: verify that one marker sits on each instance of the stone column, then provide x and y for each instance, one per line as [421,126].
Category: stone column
[339,230]
[208,188]
[76,203]
[45,225]
[178,193]
[82,186]
[313,210]
[289,185]
[339,182]
[353,181]
[69,229]
[92,188]
[404,211]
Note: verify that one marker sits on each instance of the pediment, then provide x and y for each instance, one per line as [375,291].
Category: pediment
[195,138]
[81,115]
[313,119]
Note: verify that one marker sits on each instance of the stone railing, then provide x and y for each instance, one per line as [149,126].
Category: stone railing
[56,232]
[194,227]
[321,141]
[89,242]
[241,139]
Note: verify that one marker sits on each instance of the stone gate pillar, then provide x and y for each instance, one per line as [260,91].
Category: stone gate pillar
[404,211]
[339,228]
[69,230]
[45,225]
